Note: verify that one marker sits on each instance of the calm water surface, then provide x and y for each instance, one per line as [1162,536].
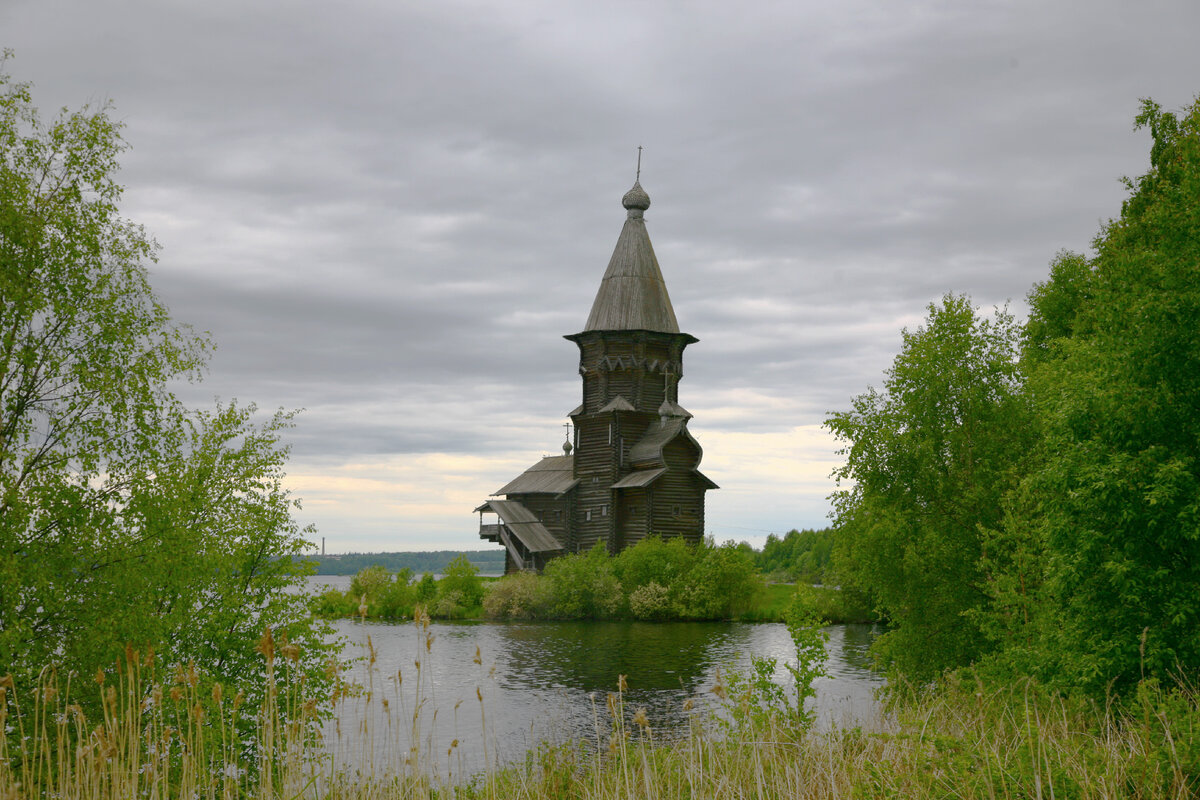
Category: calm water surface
[549,681]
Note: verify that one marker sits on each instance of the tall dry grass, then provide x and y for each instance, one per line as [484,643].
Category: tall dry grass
[158,735]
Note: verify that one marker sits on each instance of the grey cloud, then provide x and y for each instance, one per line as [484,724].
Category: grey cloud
[389,214]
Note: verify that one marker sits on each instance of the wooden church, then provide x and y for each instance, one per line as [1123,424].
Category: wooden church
[633,468]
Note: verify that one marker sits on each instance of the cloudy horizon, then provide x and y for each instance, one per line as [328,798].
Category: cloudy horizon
[389,214]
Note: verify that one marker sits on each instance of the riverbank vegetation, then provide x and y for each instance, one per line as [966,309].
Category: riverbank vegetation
[656,580]
[125,515]
[167,732]
[1026,498]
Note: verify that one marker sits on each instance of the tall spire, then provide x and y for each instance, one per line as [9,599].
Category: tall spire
[633,295]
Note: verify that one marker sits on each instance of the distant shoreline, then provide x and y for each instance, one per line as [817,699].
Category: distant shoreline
[486,561]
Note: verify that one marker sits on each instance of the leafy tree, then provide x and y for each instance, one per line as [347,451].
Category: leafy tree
[654,560]
[722,583]
[427,588]
[401,596]
[124,516]
[462,577]
[371,583]
[1113,504]
[582,585]
[799,555]
[928,460]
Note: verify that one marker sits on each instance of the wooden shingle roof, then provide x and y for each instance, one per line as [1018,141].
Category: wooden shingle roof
[524,525]
[551,475]
[633,295]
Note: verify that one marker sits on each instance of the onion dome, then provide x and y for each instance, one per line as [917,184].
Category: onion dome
[636,200]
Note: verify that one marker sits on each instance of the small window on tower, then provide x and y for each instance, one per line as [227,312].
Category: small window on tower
[604,511]
[675,510]
[587,515]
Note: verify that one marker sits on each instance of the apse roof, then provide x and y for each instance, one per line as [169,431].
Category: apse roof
[551,475]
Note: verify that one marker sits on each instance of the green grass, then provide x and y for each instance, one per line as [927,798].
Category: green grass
[827,603]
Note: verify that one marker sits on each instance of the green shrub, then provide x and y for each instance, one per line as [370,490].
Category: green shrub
[427,589]
[722,584]
[654,560]
[651,601]
[462,577]
[400,598]
[583,586]
[450,605]
[372,582]
[831,604]
[522,595]
[334,603]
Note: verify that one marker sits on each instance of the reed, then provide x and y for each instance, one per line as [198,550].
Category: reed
[158,734]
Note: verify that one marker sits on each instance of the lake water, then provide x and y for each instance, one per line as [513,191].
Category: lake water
[550,681]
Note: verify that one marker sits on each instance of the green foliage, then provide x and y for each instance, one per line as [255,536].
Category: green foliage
[124,516]
[386,595]
[755,701]
[462,577]
[656,579]
[1055,306]
[833,605]
[427,588]
[583,586]
[799,556]
[721,585]
[370,583]
[521,595]
[1048,519]
[928,460]
[654,560]
[809,638]
[650,602]
[400,597]
[1111,511]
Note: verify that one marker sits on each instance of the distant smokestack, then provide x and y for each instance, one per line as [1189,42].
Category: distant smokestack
[322,547]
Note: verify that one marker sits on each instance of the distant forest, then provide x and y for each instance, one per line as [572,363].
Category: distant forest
[797,556]
[488,562]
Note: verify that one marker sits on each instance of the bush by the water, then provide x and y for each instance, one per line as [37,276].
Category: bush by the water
[656,579]
[375,592]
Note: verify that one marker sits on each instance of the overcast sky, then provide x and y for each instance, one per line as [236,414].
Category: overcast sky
[389,212]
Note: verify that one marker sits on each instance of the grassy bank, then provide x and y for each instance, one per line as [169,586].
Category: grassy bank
[159,736]
[828,603]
